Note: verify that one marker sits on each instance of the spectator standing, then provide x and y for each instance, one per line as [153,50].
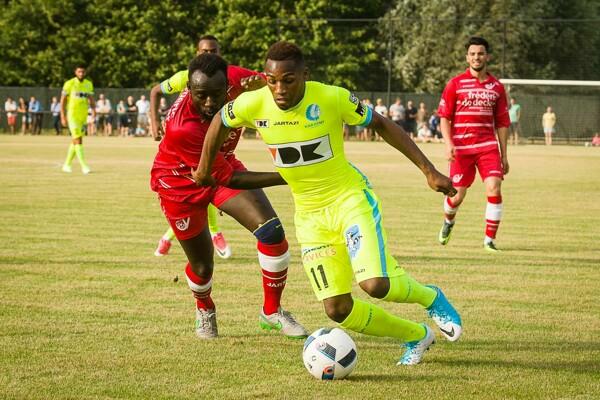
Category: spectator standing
[163,107]
[434,126]
[23,109]
[514,113]
[55,110]
[131,114]
[123,120]
[143,107]
[382,110]
[421,118]
[596,140]
[91,122]
[548,122]
[104,120]
[397,112]
[411,119]
[10,106]
[35,115]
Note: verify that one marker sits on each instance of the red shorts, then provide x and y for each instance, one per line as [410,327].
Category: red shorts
[462,169]
[12,120]
[189,218]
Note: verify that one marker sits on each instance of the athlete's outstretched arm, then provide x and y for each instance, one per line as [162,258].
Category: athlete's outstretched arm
[155,125]
[215,136]
[254,180]
[396,137]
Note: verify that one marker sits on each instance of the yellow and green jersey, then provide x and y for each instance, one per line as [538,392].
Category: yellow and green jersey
[78,93]
[306,142]
[176,83]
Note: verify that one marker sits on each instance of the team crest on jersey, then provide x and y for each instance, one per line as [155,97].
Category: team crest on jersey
[313,112]
[353,238]
[261,123]
[182,224]
[457,178]
[230,110]
[296,154]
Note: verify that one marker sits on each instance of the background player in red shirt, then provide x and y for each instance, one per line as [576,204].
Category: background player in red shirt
[184,204]
[473,109]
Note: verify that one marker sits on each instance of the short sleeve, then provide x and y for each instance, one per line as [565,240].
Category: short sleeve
[234,114]
[66,88]
[176,83]
[501,116]
[448,101]
[353,112]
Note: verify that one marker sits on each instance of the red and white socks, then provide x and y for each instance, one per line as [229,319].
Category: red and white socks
[493,215]
[201,289]
[450,210]
[274,260]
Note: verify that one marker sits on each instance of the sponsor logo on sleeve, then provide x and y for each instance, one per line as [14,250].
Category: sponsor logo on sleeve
[169,87]
[353,98]
[360,109]
[353,238]
[230,110]
[313,112]
[297,154]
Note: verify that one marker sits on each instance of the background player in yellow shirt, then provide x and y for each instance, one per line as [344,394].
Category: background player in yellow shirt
[76,97]
[338,216]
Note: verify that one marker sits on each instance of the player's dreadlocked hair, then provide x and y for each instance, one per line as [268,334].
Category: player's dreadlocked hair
[283,51]
[207,63]
[478,41]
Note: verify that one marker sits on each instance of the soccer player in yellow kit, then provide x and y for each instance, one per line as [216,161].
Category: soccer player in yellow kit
[77,95]
[338,216]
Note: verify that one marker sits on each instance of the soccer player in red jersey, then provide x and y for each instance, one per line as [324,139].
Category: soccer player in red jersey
[474,122]
[184,204]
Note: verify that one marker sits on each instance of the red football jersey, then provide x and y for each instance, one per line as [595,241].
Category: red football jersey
[475,109]
[234,76]
[180,151]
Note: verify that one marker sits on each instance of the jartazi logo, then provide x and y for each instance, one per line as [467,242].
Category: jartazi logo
[301,153]
[285,123]
[261,123]
[182,224]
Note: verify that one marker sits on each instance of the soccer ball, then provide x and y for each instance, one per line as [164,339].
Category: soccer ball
[329,354]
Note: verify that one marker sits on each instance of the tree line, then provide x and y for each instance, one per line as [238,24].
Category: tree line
[354,43]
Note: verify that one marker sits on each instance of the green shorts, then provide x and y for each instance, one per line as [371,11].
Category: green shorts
[344,240]
[76,126]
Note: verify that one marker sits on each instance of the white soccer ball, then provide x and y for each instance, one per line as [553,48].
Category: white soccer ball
[329,354]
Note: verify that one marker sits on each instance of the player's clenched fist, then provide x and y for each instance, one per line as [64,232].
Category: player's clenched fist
[440,183]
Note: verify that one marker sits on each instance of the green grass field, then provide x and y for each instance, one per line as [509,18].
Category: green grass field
[88,312]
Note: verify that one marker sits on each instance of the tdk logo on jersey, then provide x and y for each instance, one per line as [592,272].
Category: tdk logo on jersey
[296,154]
[313,112]
[261,123]
[353,237]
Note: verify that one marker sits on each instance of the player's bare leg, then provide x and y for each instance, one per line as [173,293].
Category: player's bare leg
[253,210]
[450,208]
[199,251]
[493,212]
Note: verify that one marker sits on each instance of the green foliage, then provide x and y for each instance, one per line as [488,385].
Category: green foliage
[429,48]
[131,43]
